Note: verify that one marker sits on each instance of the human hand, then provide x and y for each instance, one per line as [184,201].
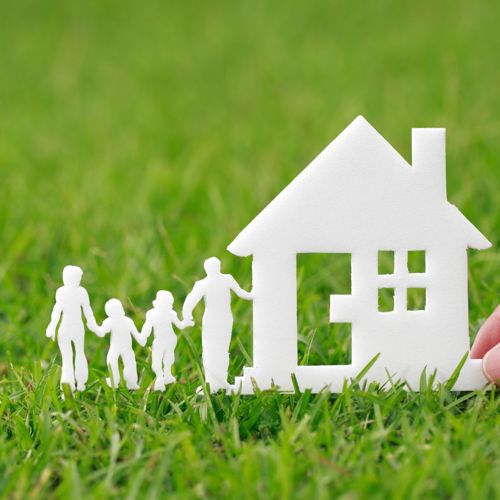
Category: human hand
[97,330]
[187,323]
[487,347]
[94,328]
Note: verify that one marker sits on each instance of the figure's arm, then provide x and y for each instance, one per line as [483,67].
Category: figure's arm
[54,319]
[104,328]
[135,333]
[192,300]
[243,294]
[147,328]
[89,314]
[181,324]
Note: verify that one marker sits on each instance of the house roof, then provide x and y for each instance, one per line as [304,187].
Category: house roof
[358,190]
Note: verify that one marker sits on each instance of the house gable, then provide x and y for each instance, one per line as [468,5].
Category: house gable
[357,191]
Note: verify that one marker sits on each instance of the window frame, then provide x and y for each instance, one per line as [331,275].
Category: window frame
[402,279]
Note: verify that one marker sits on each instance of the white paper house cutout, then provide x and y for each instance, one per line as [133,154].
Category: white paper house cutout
[359,196]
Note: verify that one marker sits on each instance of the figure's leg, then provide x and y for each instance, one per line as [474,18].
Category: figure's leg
[209,350]
[216,354]
[67,373]
[157,362]
[168,361]
[130,370]
[224,368]
[112,362]
[81,366]
[224,373]
[211,367]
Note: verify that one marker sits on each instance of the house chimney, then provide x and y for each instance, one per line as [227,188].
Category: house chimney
[429,160]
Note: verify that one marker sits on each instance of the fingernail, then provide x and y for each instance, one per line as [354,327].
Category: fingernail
[491,365]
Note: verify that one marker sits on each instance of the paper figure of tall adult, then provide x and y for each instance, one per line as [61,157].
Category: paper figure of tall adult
[217,323]
[71,300]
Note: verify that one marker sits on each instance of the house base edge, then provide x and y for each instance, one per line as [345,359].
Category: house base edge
[334,378]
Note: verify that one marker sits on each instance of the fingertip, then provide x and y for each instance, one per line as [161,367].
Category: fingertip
[491,365]
[488,336]
[496,312]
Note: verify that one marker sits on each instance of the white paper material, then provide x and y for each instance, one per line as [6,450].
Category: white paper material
[71,300]
[122,329]
[359,196]
[215,290]
[160,321]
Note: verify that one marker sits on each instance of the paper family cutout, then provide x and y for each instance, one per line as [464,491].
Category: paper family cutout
[217,325]
[359,197]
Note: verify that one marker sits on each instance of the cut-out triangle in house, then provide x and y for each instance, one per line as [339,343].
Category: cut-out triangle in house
[359,196]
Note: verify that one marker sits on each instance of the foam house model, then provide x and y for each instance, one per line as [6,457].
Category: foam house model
[359,196]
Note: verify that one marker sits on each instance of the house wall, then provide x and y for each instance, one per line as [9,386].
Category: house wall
[364,282]
[274,318]
[409,341]
[448,303]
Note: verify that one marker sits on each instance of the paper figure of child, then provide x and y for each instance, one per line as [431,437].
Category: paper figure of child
[122,329]
[71,300]
[160,320]
[217,324]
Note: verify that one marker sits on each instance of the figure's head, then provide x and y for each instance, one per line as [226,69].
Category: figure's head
[72,275]
[212,266]
[114,308]
[164,299]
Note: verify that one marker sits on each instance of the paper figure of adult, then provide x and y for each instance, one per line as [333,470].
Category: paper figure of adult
[71,300]
[217,323]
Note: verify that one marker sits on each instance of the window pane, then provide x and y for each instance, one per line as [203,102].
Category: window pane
[416,299]
[416,261]
[386,299]
[386,262]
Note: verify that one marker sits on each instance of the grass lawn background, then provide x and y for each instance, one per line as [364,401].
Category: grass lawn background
[137,139]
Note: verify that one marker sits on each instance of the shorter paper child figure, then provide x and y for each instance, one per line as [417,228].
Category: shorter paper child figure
[122,329]
[160,320]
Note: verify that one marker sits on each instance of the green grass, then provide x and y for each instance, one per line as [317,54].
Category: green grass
[137,139]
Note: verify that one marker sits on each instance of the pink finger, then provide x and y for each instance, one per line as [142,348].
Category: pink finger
[488,336]
[491,365]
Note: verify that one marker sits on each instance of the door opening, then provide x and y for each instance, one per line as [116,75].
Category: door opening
[318,277]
